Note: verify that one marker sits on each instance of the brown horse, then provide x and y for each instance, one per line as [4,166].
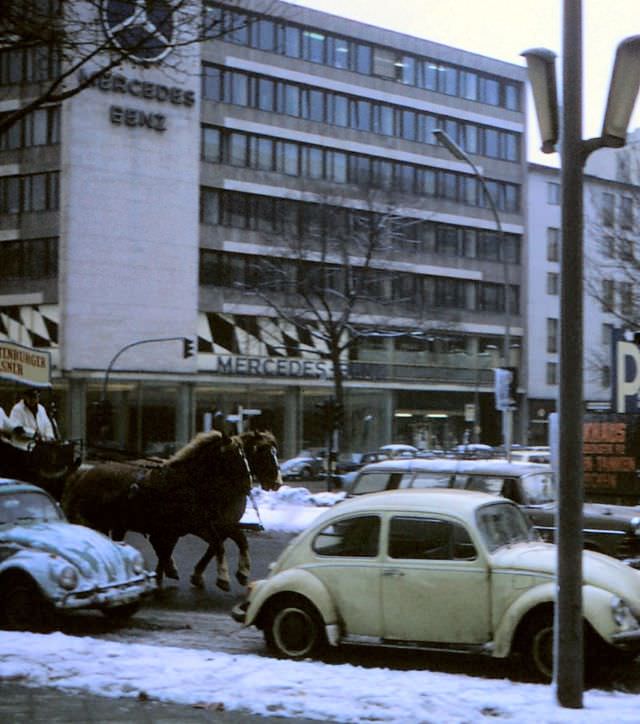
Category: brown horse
[260,448]
[202,489]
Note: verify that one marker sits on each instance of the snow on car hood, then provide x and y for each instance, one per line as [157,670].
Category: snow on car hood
[91,552]
[597,569]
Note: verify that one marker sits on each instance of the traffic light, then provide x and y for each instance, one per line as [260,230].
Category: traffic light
[332,414]
[187,347]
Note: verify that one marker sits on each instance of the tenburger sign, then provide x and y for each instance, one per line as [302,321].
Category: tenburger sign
[23,364]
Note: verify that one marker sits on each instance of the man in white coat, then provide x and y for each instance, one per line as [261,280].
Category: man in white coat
[31,416]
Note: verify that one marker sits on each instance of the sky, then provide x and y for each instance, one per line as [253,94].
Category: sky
[309,689]
[503,29]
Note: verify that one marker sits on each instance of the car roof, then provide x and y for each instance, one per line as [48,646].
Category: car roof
[450,465]
[432,500]
[13,485]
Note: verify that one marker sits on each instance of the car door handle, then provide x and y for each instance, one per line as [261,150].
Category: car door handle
[392,572]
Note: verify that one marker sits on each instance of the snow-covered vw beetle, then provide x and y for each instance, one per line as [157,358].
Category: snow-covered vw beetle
[48,565]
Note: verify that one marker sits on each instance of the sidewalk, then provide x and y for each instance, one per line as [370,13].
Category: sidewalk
[38,705]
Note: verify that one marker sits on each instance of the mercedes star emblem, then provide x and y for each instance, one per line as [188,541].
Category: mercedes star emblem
[141,28]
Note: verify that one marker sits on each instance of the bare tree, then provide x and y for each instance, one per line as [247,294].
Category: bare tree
[327,274]
[612,268]
[54,49]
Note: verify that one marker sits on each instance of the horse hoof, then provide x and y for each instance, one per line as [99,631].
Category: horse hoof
[223,585]
[242,578]
[197,581]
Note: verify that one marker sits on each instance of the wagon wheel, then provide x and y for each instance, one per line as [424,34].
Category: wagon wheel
[22,605]
[294,629]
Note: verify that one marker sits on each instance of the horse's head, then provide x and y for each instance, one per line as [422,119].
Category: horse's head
[261,451]
[215,454]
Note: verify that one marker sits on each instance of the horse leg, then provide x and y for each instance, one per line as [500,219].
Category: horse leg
[222,581]
[163,548]
[238,536]
[196,577]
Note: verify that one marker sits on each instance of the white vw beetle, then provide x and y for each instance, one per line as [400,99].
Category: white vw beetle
[49,565]
[441,569]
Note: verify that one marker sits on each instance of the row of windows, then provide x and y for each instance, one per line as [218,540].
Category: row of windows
[338,109]
[250,272]
[626,305]
[40,128]
[626,211]
[318,46]
[31,192]
[28,65]
[322,164]
[29,259]
[296,219]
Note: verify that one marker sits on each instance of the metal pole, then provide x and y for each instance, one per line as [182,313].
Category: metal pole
[568,633]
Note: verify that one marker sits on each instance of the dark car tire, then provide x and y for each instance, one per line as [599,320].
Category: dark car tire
[305,474]
[537,647]
[22,605]
[293,629]
[120,614]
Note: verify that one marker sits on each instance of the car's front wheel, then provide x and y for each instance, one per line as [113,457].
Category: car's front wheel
[293,629]
[538,647]
[22,605]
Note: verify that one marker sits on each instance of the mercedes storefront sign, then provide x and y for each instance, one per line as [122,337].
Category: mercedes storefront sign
[141,28]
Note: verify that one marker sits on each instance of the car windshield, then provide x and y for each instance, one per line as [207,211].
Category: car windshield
[503,524]
[26,507]
[539,488]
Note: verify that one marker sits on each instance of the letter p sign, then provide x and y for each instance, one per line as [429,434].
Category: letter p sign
[627,376]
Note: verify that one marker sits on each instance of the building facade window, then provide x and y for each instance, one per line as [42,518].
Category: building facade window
[608,295]
[319,46]
[608,209]
[605,376]
[40,128]
[553,193]
[552,335]
[627,306]
[29,259]
[626,212]
[553,244]
[31,192]
[552,373]
[337,109]
[553,283]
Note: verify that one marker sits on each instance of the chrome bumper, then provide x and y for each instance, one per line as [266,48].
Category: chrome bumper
[107,597]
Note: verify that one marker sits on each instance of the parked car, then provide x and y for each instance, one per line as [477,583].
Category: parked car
[610,529]
[399,450]
[346,470]
[306,465]
[536,454]
[49,566]
[442,569]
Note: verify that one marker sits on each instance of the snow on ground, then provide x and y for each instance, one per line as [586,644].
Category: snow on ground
[315,690]
[339,693]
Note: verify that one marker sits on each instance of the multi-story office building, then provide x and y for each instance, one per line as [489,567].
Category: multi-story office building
[138,209]
[611,193]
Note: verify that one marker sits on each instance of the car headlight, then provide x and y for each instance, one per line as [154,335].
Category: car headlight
[622,614]
[67,577]
[635,525]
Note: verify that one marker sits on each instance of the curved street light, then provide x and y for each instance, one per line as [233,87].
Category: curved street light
[445,140]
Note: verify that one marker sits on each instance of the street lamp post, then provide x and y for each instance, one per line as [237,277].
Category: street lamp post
[623,89]
[443,138]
